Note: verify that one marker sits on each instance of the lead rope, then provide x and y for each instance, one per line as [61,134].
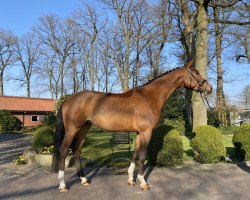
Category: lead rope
[214,114]
[204,99]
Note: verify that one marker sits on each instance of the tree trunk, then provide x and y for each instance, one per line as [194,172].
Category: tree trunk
[1,83]
[28,87]
[220,100]
[247,45]
[51,84]
[92,67]
[188,42]
[62,78]
[199,109]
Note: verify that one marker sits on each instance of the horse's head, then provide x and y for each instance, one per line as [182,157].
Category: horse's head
[194,81]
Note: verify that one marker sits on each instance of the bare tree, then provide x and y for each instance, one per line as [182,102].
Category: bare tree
[48,72]
[161,16]
[198,107]
[141,33]
[27,53]
[122,35]
[7,43]
[90,24]
[185,16]
[57,34]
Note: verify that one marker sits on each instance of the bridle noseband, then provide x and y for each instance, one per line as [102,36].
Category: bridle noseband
[200,84]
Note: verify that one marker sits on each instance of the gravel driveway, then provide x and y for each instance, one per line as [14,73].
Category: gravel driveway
[196,182]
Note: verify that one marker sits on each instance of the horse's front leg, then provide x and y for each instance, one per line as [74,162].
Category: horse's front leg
[144,141]
[135,158]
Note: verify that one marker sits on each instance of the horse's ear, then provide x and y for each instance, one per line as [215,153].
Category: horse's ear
[189,65]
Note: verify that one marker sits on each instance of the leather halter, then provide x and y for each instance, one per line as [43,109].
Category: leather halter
[200,84]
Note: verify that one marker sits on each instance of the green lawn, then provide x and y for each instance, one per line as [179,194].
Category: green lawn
[97,148]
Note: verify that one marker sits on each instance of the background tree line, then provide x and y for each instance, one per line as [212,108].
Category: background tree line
[119,44]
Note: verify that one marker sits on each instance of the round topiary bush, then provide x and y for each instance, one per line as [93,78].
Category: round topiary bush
[172,151]
[165,147]
[43,139]
[208,145]
[156,142]
[241,141]
[9,122]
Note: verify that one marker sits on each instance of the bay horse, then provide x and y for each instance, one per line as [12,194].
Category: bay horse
[137,110]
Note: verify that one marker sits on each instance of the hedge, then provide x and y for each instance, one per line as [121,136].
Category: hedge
[241,141]
[165,147]
[208,145]
[8,122]
[172,151]
[43,139]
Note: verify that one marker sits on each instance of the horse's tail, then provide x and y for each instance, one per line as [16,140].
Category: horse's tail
[60,132]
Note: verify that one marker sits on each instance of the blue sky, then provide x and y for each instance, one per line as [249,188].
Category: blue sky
[20,15]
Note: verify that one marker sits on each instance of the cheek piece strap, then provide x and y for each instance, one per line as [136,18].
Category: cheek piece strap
[200,85]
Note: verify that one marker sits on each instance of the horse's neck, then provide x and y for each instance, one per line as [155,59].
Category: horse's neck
[161,88]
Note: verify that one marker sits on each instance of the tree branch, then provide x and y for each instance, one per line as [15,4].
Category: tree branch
[229,22]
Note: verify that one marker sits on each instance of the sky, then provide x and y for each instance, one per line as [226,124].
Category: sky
[20,15]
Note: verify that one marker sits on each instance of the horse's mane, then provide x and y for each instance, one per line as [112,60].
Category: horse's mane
[161,75]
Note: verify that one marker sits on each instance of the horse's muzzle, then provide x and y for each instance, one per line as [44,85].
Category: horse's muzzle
[208,89]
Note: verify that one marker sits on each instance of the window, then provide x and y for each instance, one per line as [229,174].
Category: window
[34,118]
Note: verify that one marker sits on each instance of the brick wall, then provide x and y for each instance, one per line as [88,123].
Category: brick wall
[29,118]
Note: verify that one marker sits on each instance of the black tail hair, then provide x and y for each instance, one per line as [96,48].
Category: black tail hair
[60,132]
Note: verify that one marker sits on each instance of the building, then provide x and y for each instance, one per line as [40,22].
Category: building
[30,111]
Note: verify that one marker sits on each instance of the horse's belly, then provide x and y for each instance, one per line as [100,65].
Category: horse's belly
[114,122]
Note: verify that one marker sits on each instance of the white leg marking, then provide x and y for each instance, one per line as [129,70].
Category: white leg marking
[141,179]
[84,180]
[61,179]
[131,171]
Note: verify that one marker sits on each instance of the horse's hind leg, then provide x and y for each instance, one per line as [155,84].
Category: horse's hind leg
[80,139]
[64,149]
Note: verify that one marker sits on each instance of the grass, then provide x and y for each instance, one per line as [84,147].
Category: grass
[97,148]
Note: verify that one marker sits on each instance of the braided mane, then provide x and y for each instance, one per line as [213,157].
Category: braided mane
[167,72]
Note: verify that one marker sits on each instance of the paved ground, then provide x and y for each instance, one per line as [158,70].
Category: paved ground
[197,182]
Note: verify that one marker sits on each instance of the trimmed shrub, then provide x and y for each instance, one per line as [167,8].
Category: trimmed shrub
[241,141]
[208,145]
[156,142]
[43,138]
[172,151]
[165,146]
[178,124]
[9,122]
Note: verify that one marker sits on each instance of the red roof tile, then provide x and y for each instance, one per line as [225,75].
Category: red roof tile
[26,104]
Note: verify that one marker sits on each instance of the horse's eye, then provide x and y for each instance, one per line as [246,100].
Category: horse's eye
[197,73]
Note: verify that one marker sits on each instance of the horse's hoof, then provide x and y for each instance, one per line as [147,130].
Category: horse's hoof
[131,182]
[145,187]
[63,189]
[86,183]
